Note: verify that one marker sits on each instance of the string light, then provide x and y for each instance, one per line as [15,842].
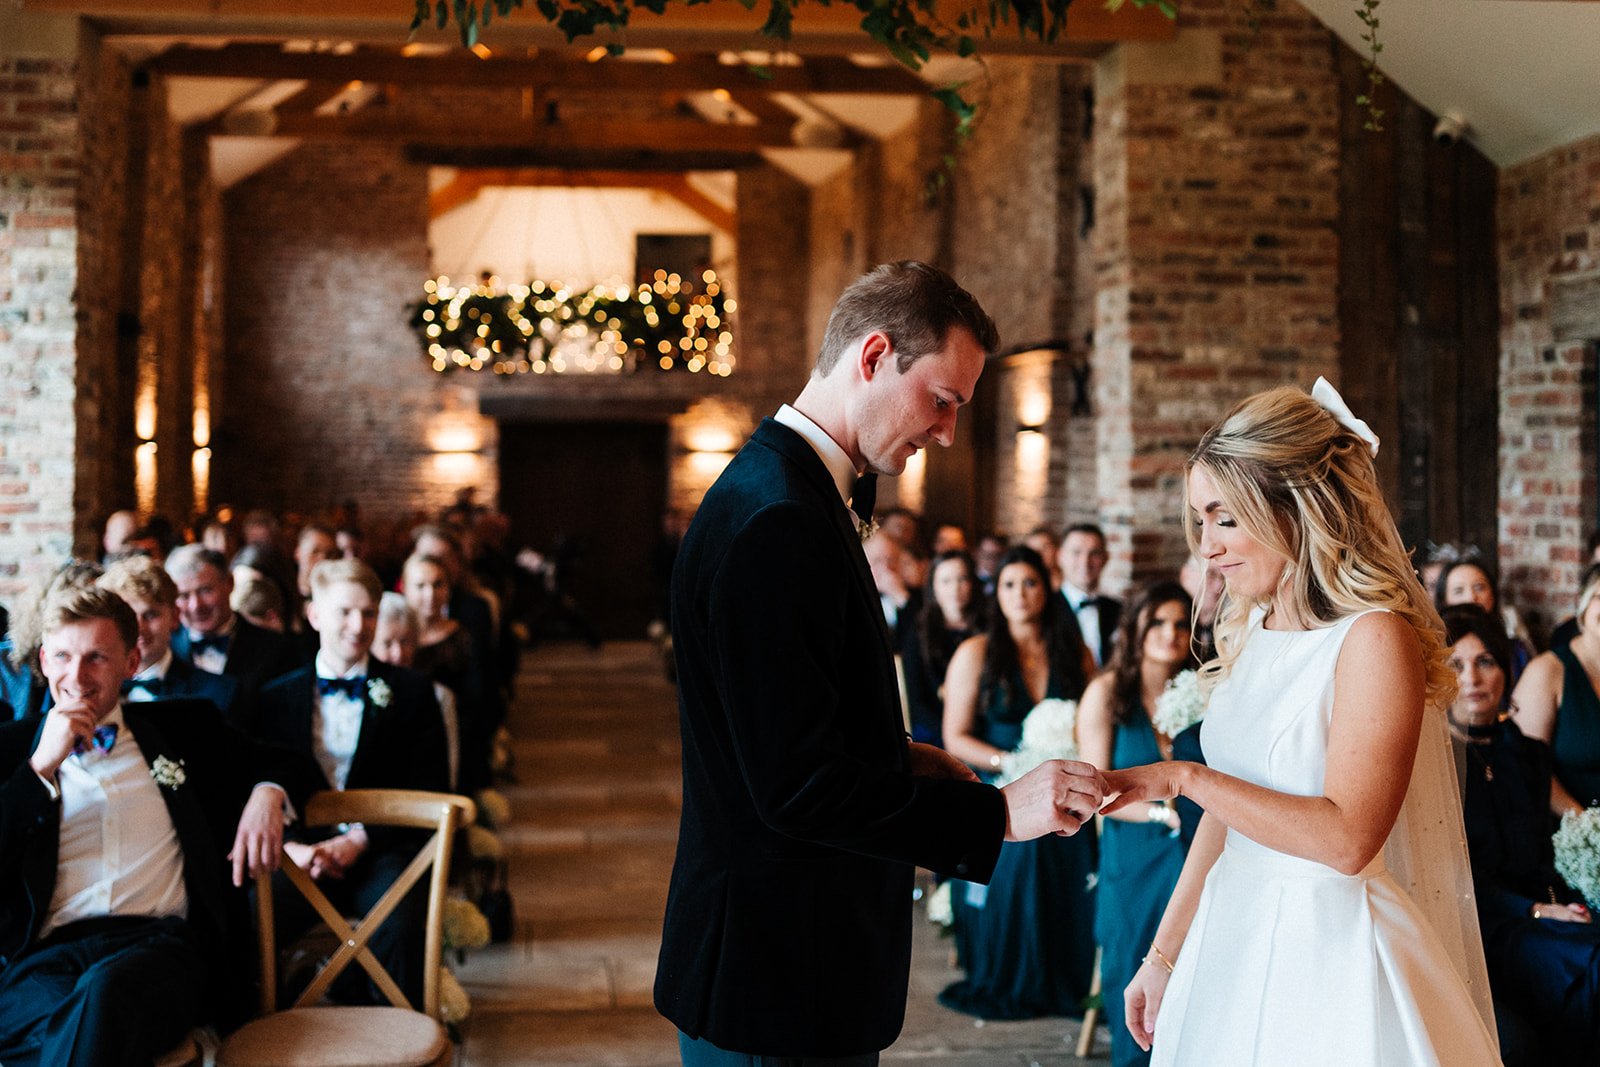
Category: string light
[545,328]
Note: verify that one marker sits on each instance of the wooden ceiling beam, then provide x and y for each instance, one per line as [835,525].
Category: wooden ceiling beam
[374,124]
[469,183]
[542,72]
[638,160]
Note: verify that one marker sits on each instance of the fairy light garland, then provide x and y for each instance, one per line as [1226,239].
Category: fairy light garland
[541,328]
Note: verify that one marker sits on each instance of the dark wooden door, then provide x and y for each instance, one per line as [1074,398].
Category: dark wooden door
[590,495]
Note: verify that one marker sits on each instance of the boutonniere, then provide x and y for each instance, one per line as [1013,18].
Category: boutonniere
[866,529]
[168,775]
[379,693]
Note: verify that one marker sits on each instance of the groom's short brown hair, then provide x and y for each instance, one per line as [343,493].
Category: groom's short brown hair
[915,305]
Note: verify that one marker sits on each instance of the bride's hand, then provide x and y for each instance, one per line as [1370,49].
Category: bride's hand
[1152,782]
[1142,1000]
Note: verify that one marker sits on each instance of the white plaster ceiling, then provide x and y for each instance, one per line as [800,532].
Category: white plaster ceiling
[1525,74]
[579,236]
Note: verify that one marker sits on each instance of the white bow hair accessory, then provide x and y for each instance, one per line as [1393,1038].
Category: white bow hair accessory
[1326,395]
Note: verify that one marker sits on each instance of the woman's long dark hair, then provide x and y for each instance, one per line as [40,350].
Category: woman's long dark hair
[930,623]
[1063,643]
[1473,560]
[1127,662]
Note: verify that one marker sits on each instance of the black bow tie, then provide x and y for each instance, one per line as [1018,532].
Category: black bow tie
[350,687]
[217,642]
[149,685]
[863,496]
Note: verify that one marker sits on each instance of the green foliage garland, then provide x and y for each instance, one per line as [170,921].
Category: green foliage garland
[671,324]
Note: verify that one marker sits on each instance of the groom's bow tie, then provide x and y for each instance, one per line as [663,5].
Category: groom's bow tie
[350,687]
[214,643]
[102,740]
[864,496]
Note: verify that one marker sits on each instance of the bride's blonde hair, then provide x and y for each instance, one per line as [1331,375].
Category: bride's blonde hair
[1304,486]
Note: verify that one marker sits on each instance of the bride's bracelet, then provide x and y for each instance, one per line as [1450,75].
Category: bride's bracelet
[1160,957]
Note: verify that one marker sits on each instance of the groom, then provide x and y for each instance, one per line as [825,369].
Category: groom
[805,809]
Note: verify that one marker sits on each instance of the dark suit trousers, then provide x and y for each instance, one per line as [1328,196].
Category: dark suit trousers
[397,944]
[698,1052]
[102,993]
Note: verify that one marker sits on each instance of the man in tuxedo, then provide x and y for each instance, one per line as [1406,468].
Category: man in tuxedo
[1082,558]
[120,825]
[805,810]
[213,637]
[153,596]
[369,726]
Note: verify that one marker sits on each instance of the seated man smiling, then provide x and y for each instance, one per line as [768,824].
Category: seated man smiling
[120,825]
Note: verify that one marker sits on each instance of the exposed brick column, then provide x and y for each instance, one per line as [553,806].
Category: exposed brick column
[1549,220]
[39,168]
[1215,250]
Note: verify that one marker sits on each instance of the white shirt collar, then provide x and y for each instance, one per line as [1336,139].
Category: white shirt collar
[156,671]
[325,668]
[827,449]
[1074,595]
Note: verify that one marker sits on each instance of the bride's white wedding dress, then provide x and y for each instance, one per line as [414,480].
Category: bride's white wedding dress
[1289,962]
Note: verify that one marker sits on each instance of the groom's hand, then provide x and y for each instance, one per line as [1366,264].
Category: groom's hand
[1056,797]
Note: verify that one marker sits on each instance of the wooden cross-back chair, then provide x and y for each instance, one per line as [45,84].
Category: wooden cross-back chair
[307,1035]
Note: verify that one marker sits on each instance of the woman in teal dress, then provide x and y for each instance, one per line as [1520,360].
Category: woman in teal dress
[1555,703]
[1141,848]
[1027,939]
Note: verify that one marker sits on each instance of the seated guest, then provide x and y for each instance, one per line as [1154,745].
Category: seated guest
[395,643]
[1204,586]
[1082,559]
[119,931]
[1043,540]
[219,537]
[1027,940]
[991,546]
[951,612]
[258,601]
[24,684]
[1142,848]
[1539,938]
[1563,634]
[119,527]
[369,726]
[212,636]
[1556,703]
[948,537]
[315,544]
[466,606]
[351,542]
[153,596]
[1471,580]
[446,654]
[900,525]
[886,560]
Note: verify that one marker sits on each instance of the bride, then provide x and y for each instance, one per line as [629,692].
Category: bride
[1325,912]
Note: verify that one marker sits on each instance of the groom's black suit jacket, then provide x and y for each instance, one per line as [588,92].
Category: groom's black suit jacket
[788,924]
[221,768]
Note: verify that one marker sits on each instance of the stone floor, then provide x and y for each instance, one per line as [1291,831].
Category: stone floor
[595,818]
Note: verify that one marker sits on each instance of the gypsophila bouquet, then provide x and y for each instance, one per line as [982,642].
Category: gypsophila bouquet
[1578,852]
[484,844]
[1180,705]
[1049,732]
[455,1007]
[464,925]
[494,810]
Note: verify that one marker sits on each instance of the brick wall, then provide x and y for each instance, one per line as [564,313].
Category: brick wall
[1549,221]
[1215,249]
[326,396]
[39,168]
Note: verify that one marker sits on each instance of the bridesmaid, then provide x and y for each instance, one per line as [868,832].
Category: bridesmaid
[1027,940]
[1141,849]
[951,612]
[1542,945]
[1556,704]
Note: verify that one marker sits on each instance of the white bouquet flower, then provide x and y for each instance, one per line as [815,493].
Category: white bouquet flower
[1578,852]
[940,908]
[1180,705]
[1049,732]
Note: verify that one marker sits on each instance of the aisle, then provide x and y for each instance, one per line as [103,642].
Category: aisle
[595,821]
